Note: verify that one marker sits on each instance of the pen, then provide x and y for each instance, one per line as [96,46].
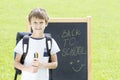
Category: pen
[36,55]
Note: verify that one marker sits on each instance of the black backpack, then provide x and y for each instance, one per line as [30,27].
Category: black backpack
[25,36]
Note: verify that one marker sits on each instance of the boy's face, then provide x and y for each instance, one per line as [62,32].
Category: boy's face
[38,25]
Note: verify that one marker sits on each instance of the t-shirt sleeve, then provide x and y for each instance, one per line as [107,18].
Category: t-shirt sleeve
[55,48]
[18,49]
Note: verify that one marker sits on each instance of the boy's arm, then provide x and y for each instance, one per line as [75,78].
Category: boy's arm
[19,66]
[17,63]
[52,65]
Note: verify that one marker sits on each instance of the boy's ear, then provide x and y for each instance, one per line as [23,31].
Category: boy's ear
[46,25]
[28,25]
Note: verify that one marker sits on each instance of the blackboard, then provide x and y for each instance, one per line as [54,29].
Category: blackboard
[73,37]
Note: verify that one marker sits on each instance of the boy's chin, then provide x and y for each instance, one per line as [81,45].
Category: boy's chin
[38,31]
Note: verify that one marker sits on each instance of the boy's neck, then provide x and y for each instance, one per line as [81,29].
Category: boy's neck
[34,35]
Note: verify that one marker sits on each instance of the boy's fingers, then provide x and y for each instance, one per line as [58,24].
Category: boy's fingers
[36,59]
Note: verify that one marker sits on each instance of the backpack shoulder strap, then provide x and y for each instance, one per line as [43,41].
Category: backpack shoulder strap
[48,45]
[25,45]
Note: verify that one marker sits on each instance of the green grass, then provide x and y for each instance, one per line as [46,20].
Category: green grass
[105,31]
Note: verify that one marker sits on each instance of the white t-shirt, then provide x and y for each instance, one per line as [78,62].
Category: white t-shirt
[39,46]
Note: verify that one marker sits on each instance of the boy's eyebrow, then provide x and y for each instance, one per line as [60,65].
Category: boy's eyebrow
[35,22]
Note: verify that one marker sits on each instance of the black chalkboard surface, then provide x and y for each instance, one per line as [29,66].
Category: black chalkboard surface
[72,38]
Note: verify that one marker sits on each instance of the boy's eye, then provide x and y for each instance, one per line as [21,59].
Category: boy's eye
[35,22]
[41,22]
[38,23]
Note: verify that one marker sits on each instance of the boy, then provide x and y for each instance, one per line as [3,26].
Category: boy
[36,68]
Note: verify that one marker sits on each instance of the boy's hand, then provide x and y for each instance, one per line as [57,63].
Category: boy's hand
[43,65]
[35,62]
[32,69]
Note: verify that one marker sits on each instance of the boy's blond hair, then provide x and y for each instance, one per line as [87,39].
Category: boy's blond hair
[38,13]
